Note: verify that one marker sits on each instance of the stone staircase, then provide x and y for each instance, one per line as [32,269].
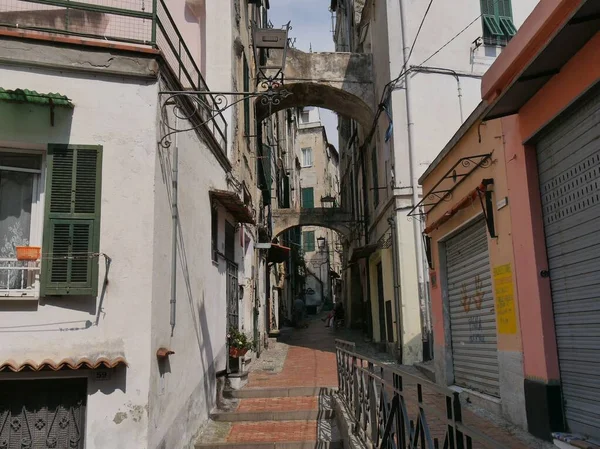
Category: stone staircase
[275,418]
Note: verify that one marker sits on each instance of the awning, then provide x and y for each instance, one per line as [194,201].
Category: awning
[33,97]
[64,364]
[568,25]
[232,202]
[363,252]
[278,253]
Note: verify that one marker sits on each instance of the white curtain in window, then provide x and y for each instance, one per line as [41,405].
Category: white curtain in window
[16,194]
[307,157]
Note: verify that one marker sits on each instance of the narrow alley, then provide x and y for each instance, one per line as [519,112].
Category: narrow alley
[289,400]
[184,184]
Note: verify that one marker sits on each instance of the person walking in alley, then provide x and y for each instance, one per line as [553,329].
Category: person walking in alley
[299,313]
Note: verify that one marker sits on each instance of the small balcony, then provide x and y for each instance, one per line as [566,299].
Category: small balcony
[19,279]
[142,23]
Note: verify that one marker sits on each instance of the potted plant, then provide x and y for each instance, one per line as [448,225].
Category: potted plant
[239,343]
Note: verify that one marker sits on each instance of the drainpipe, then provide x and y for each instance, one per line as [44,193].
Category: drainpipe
[445,71]
[413,165]
[174,216]
[397,291]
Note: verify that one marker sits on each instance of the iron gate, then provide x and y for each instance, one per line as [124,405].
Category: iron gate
[42,414]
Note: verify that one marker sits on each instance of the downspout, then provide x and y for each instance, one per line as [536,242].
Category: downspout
[413,167]
[397,291]
[174,234]
[366,225]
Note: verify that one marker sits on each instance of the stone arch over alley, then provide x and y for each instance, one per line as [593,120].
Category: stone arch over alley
[330,218]
[340,82]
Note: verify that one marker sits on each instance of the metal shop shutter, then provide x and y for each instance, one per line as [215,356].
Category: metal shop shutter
[472,314]
[569,171]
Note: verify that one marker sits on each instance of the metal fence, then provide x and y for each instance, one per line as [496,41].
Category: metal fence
[145,23]
[18,278]
[393,409]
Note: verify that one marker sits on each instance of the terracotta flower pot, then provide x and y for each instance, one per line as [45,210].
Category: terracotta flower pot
[237,352]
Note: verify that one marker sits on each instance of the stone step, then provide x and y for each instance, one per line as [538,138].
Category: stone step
[277,409]
[278,392]
[271,434]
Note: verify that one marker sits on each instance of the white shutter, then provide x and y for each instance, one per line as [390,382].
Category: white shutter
[569,171]
[472,314]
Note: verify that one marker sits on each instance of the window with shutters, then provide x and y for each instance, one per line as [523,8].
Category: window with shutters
[247,127]
[20,213]
[71,241]
[308,241]
[214,232]
[498,25]
[308,198]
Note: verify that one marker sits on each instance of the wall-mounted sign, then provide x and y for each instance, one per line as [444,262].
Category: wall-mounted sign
[101,375]
[505,300]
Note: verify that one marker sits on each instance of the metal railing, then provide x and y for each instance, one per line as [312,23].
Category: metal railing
[18,278]
[145,23]
[394,409]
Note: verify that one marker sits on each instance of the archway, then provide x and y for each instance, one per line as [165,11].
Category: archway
[320,95]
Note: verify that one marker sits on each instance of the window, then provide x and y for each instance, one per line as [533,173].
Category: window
[214,231]
[308,198]
[72,220]
[308,241]
[498,26]
[20,211]
[375,177]
[304,117]
[246,100]
[307,159]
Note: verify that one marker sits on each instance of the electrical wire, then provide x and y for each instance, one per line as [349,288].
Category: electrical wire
[417,35]
[405,71]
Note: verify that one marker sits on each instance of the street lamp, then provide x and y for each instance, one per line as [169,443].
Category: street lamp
[321,243]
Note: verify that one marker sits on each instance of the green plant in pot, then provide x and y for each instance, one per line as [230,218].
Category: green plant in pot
[239,343]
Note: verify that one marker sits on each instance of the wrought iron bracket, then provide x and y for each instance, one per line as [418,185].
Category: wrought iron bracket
[442,190]
[189,105]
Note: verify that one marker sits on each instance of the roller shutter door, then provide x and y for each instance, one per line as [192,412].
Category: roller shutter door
[472,314]
[569,171]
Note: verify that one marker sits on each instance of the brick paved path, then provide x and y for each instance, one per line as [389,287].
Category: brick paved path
[290,409]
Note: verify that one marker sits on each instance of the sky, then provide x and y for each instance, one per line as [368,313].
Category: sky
[311,27]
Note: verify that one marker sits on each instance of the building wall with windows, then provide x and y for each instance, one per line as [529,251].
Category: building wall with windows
[444,71]
[146,399]
[73,327]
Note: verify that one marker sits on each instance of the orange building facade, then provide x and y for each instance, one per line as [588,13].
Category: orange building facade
[512,208]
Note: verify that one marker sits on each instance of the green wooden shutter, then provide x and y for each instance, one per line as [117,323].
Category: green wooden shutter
[308,198]
[308,240]
[72,221]
[505,18]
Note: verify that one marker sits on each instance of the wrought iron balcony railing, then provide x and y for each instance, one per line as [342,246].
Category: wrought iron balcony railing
[19,279]
[144,23]
[394,409]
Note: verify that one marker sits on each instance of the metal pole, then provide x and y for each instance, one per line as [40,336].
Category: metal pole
[413,165]
[397,291]
[174,216]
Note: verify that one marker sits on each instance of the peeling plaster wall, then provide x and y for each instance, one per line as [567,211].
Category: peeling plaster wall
[121,116]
